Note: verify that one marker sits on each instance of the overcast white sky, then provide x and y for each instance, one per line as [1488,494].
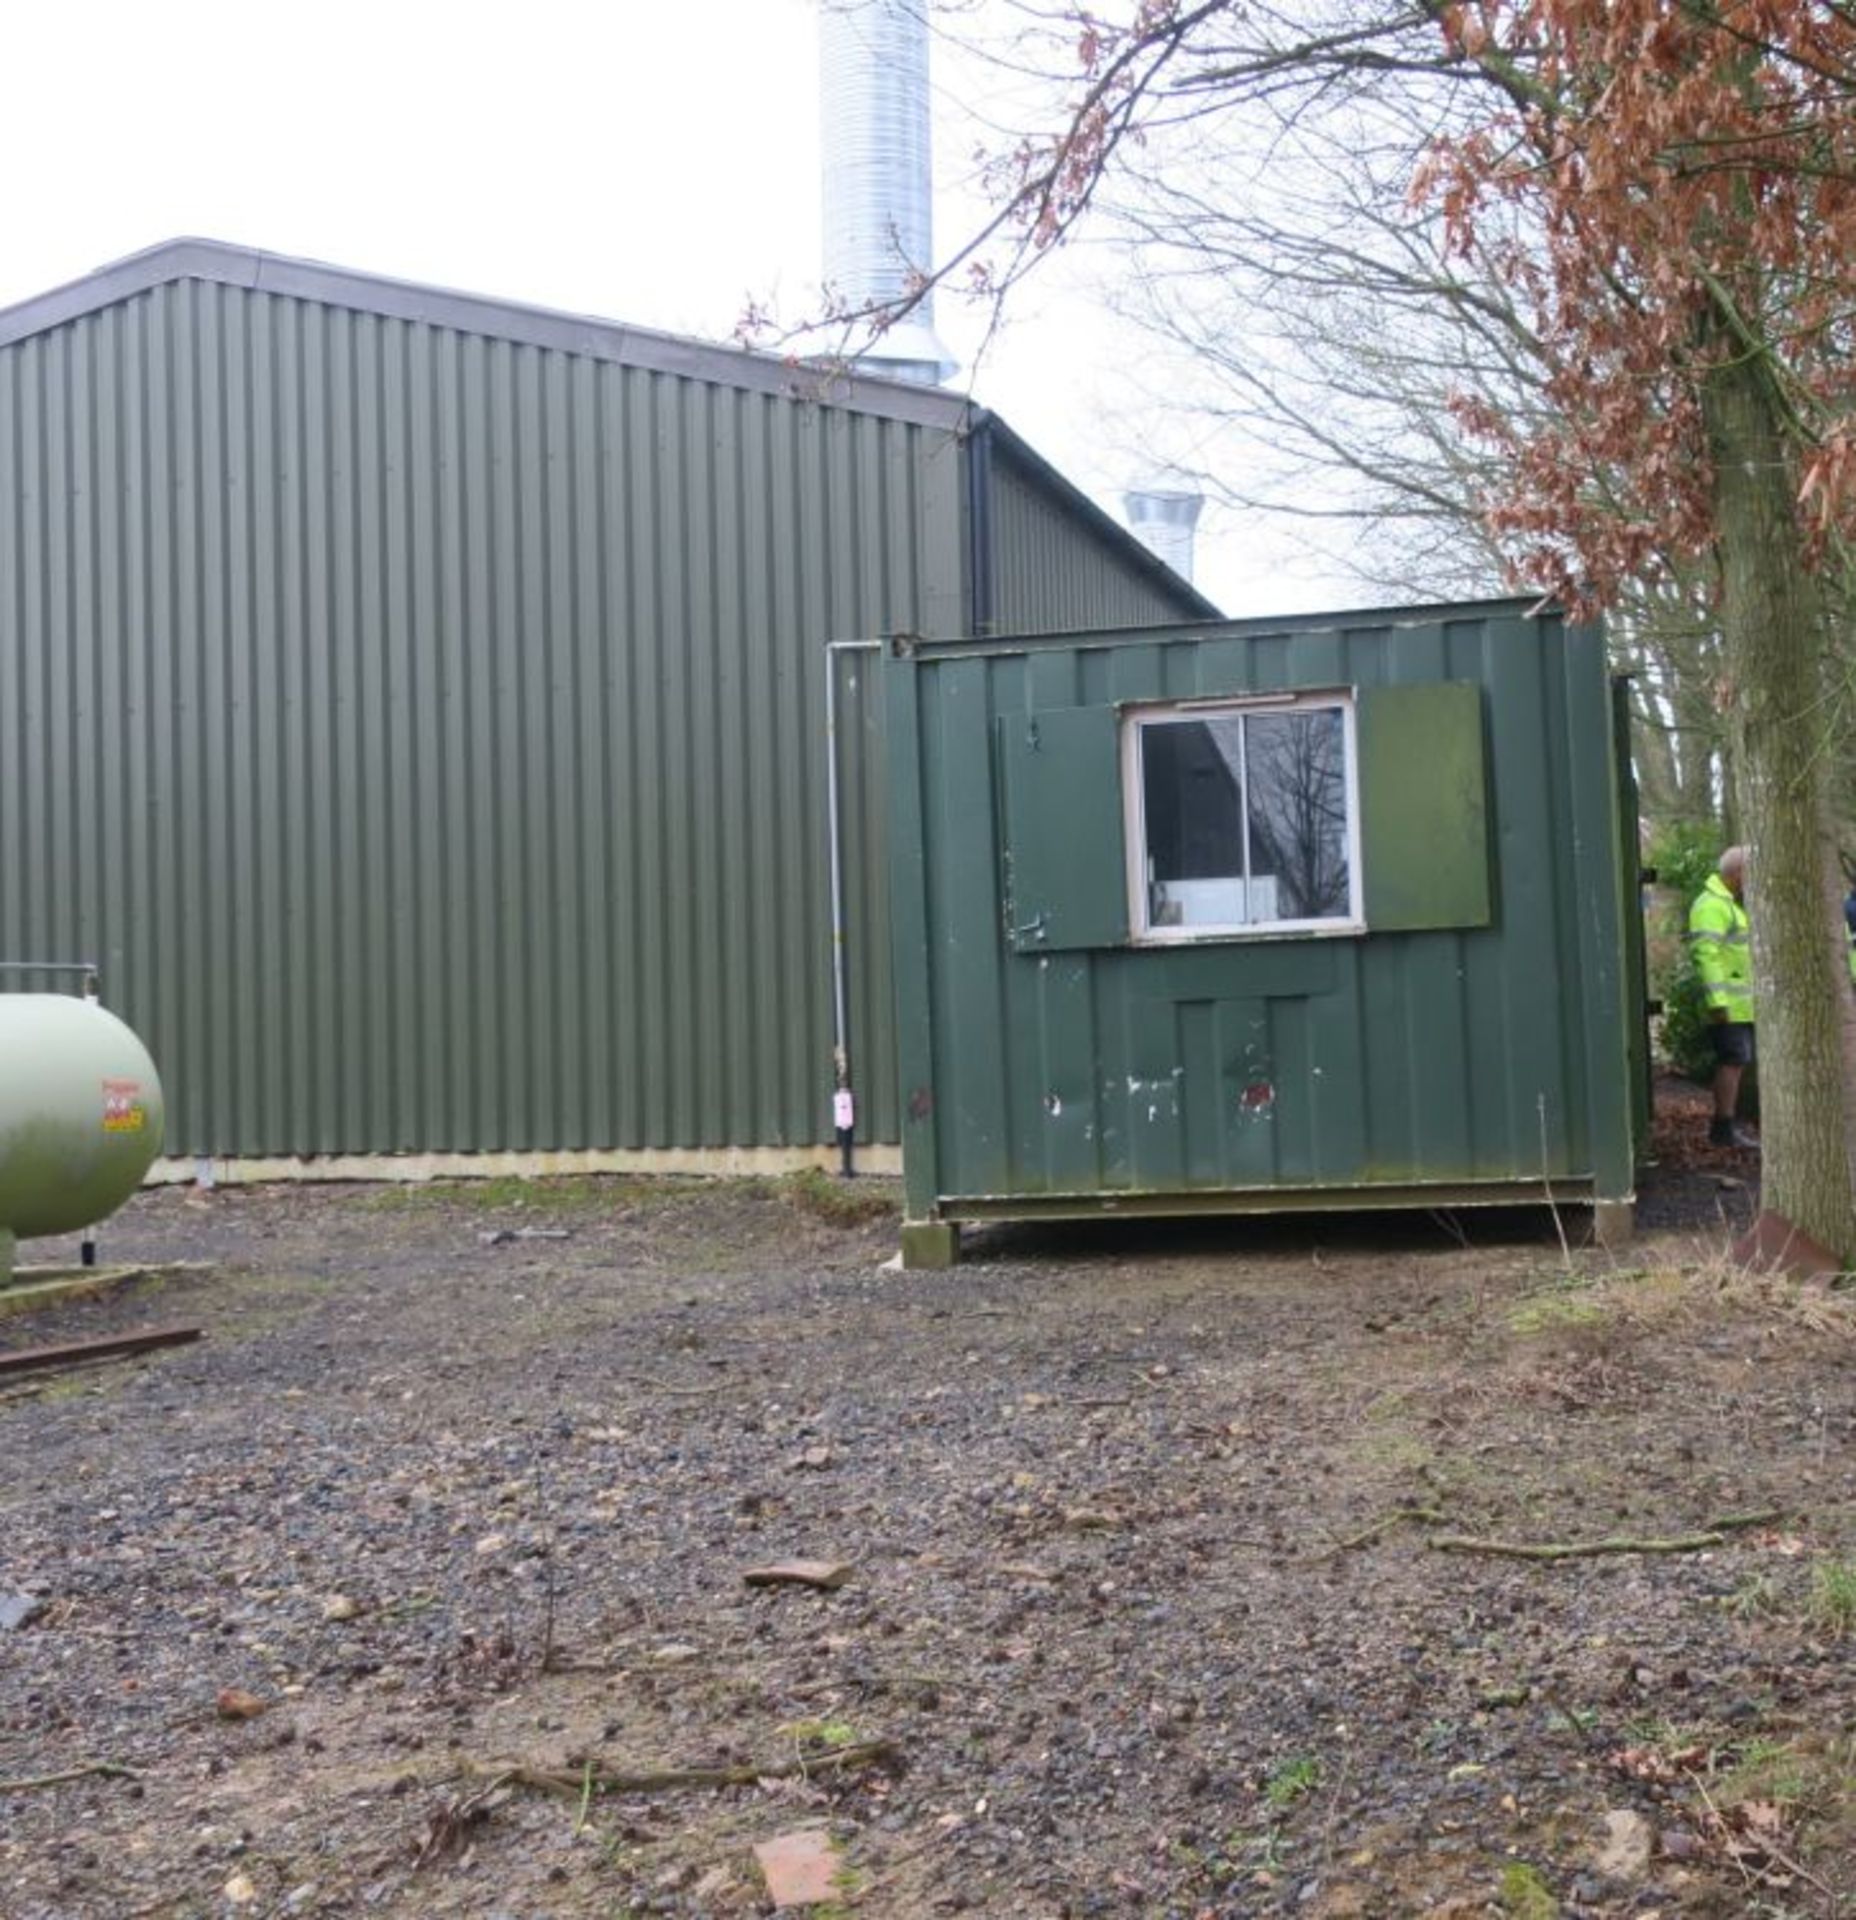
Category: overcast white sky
[642,162]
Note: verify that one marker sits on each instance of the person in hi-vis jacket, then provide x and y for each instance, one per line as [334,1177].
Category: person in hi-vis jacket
[1717,926]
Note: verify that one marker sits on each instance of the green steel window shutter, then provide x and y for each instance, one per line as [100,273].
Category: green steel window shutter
[1066,881]
[1424,808]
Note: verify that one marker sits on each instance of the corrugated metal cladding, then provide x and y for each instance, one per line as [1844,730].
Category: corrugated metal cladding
[424,729]
[1056,568]
[415,703]
[1484,1042]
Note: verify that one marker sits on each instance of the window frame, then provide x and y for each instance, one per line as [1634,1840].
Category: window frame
[1135,717]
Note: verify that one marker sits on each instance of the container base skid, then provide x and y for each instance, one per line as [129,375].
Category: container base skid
[935,1242]
[930,1245]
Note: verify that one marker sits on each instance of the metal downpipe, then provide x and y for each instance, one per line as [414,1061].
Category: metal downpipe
[843,1101]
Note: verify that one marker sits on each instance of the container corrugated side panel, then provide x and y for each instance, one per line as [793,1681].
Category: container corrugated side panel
[425,731]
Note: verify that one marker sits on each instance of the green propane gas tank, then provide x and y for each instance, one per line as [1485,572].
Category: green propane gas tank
[80,1115]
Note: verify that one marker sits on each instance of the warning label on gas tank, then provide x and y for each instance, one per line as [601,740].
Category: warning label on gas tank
[123,1111]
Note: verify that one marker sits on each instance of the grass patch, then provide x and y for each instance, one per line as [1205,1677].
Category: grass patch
[47,1389]
[811,1190]
[1387,1433]
[822,1733]
[508,1192]
[839,1202]
[1757,1597]
[1831,1605]
[35,1289]
[1240,1852]
[1658,1730]
[1291,1780]
[1398,1452]
[1775,1770]
[1711,1289]
[1807,1778]
[1578,1721]
[1703,1293]
[1525,1894]
[1810,1777]
[1559,1310]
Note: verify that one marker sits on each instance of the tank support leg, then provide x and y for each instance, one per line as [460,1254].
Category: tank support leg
[7,1244]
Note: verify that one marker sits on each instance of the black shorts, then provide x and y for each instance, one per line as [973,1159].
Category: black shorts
[1733,1042]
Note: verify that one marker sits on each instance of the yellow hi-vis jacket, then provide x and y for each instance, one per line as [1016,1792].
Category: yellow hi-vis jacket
[1717,924]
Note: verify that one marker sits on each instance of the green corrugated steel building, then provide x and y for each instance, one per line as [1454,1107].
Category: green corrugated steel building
[414,702]
[1273,915]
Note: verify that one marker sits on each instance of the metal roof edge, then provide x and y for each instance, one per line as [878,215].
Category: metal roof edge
[1075,501]
[225,264]
[1523,606]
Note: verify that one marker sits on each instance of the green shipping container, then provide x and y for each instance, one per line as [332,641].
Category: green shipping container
[1265,916]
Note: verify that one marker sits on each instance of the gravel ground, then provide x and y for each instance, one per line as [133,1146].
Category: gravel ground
[1150,1586]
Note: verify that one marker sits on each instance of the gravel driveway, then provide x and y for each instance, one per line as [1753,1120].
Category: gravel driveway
[410,1589]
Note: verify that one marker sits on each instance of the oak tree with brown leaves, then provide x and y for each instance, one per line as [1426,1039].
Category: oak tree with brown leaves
[1666,189]
[1691,165]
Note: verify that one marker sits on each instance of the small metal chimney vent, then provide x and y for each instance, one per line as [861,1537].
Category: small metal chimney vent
[1162,520]
[879,176]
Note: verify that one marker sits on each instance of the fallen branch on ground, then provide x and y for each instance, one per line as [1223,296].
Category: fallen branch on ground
[1422,1516]
[107,1769]
[1714,1535]
[590,1777]
[1574,1549]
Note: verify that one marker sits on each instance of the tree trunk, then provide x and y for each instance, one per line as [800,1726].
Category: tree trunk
[1775,630]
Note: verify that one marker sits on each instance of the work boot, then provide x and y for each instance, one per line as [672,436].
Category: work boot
[1723,1132]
